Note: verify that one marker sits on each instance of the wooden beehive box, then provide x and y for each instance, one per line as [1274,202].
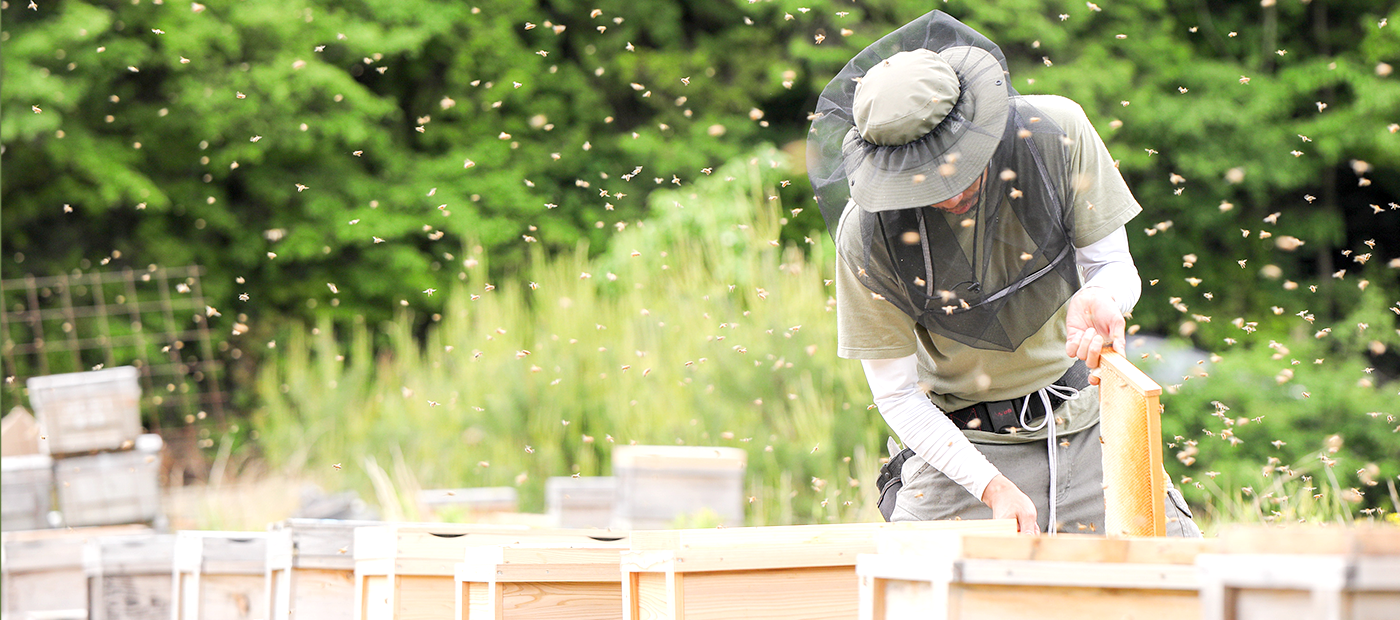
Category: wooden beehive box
[1303,573]
[658,485]
[587,501]
[26,492]
[220,576]
[311,569]
[86,411]
[800,571]
[43,570]
[110,488]
[129,577]
[406,570]
[1070,576]
[539,581]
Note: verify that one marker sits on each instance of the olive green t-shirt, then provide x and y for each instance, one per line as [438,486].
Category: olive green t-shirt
[956,375]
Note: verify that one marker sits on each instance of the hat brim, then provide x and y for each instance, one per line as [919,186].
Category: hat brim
[947,160]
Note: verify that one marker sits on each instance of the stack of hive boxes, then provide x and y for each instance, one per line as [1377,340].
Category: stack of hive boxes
[105,472]
[27,475]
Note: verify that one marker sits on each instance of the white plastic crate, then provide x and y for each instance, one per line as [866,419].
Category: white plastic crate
[661,486]
[586,501]
[27,492]
[85,411]
[110,488]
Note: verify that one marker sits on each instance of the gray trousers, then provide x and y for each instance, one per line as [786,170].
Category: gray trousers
[929,495]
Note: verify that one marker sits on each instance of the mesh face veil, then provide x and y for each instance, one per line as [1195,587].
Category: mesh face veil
[990,277]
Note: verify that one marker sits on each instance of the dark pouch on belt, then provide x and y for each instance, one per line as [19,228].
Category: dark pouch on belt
[890,481]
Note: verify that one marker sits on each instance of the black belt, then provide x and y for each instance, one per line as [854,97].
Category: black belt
[1002,416]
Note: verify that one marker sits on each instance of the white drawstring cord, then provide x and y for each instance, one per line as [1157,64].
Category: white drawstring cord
[1064,392]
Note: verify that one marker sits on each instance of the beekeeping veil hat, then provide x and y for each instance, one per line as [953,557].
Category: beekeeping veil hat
[914,119]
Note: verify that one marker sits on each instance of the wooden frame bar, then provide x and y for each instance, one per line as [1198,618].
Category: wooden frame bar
[805,571]
[406,571]
[948,576]
[311,569]
[532,581]
[219,576]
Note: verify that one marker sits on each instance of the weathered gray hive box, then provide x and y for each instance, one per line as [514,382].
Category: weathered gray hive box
[129,577]
[587,501]
[86,411]
[43,571]
[109,488]
[657,486]
[26,486]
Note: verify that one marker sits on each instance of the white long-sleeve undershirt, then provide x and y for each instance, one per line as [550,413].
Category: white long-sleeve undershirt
[920,424]
[1106,263]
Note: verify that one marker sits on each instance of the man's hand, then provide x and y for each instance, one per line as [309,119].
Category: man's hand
[1094,320]
[1008,502]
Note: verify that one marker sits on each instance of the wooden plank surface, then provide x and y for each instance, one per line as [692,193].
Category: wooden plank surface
[536,563]
[549,601]
[536,580]
[814,593]
[130,597]
[316,594]
[230,597]
[422,598]
[374,596]
[1067,548]
[1059,603]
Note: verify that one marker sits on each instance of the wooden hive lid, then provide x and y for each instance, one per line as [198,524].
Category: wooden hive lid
[435,548]
[792,546]
[542,562]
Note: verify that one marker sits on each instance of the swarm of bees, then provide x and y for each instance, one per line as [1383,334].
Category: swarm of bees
[1280,234]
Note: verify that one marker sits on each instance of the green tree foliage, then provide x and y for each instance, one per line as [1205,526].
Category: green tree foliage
[428,122]
[361,143]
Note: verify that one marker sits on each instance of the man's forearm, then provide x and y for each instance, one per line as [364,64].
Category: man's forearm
[922,427]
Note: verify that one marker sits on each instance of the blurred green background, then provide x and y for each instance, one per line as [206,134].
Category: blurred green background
[434,233]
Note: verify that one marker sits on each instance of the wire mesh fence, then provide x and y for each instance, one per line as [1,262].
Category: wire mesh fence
[154,319]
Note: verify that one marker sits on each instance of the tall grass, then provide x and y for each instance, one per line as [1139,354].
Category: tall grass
[697,327]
